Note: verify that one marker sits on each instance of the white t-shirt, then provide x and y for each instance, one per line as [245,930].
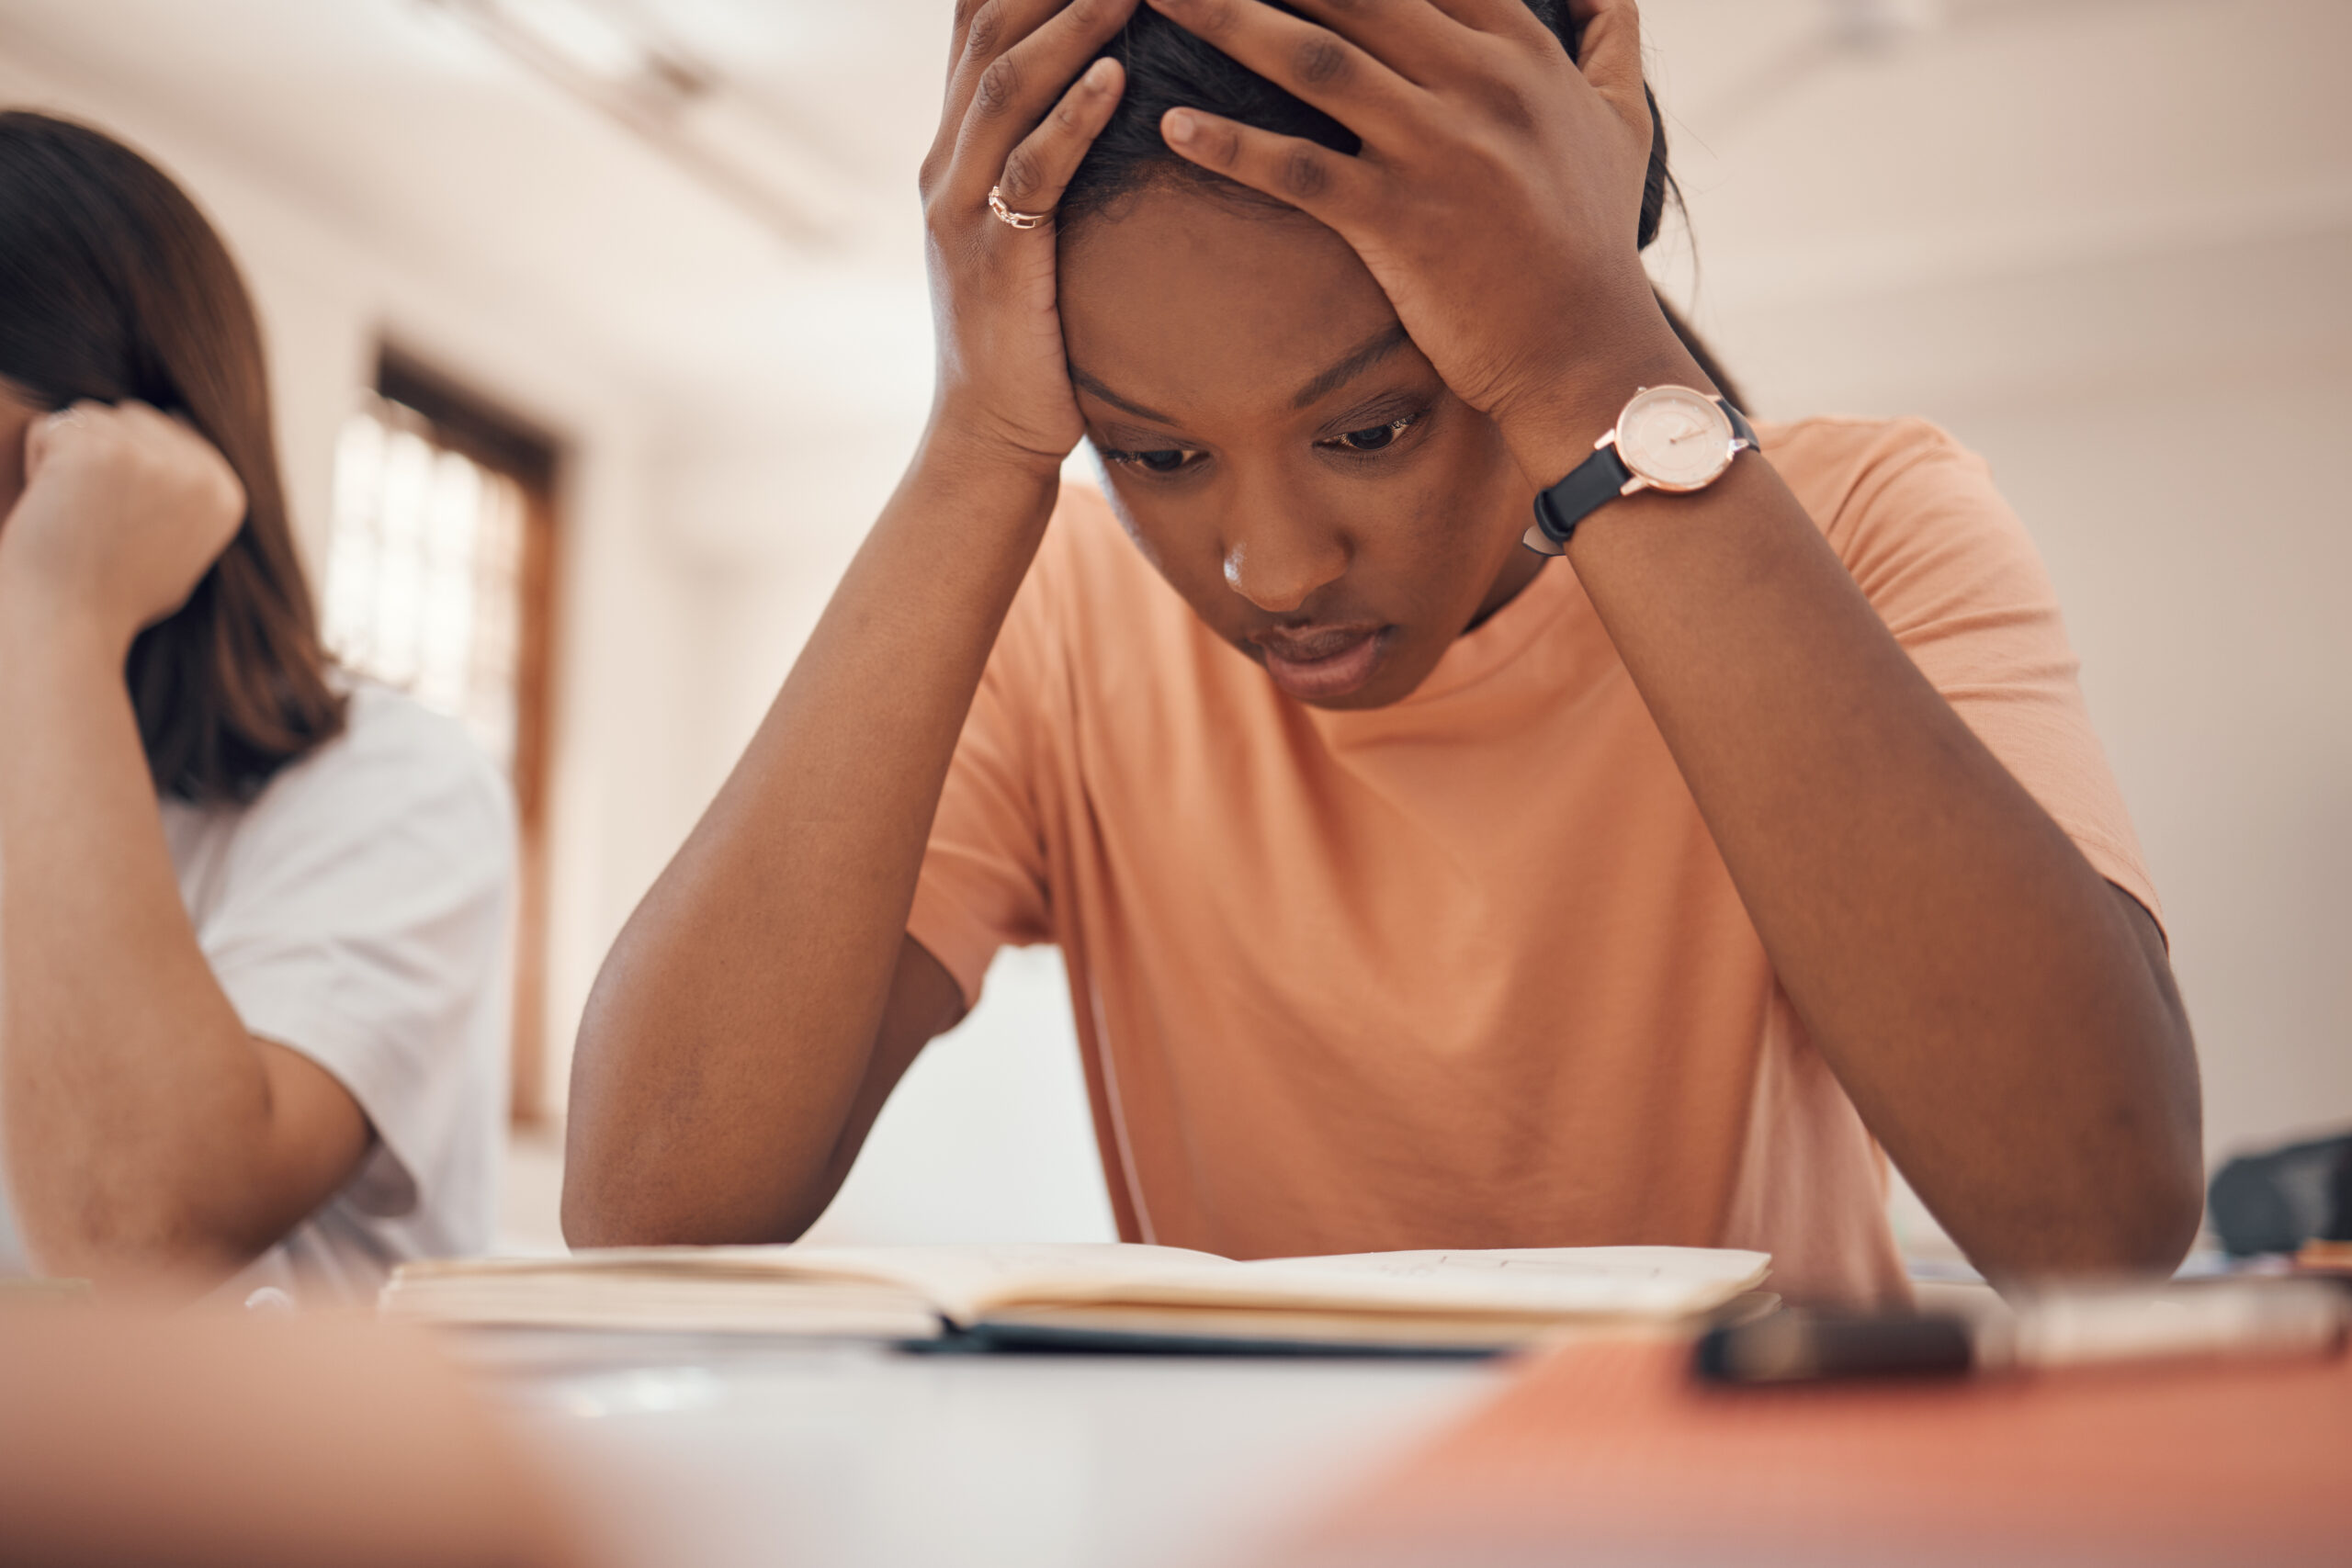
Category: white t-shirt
[357,911]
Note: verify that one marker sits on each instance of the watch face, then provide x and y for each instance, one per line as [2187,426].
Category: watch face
[1675,437]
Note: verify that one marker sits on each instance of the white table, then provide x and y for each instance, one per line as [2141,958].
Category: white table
[710,1452]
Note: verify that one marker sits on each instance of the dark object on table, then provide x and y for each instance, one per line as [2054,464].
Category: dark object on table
[987,1337]
[1814,1347]
[2276,1201]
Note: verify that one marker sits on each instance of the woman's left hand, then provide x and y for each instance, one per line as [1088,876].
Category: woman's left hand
[1495,199]
[125,508]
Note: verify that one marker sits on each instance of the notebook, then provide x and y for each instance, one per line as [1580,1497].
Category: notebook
[1107,1295]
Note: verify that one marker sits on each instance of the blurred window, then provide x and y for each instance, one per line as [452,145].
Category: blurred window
[440,581]
[423,579]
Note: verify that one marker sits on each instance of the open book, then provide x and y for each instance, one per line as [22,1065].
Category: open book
[1102,1293]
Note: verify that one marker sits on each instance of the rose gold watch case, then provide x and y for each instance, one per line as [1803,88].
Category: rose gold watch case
[1675,439]
[1716,434]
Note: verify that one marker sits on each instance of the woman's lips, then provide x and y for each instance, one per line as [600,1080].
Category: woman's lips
[1318,666]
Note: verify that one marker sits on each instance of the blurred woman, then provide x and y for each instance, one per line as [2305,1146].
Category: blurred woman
[253,913]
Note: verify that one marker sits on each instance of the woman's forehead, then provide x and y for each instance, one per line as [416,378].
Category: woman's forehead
[1185,298]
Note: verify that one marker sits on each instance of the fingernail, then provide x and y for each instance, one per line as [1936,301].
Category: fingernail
[1098,75]
[1178,125]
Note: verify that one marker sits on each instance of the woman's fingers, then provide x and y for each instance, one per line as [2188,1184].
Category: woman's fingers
[966,59]
[1422,40]
[985,30]
[1016,89]
[1313,63]
[959,28]
[1329,186]
[1610,57]
[1504,18]
[1037,171]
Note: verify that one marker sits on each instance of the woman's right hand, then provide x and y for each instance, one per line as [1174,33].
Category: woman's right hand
[1004,377]
[124,509]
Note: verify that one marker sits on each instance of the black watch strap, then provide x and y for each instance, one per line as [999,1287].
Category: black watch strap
[1595,482]
[1592,484]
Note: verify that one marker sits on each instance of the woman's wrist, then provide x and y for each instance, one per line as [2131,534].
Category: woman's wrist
[1554,423]
[973,458]
[39,620]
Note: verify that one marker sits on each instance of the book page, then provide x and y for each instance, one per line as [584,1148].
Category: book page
[1630,1281]
[957,1282]
[963,1282]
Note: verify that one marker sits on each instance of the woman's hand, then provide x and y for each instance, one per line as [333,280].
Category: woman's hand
[1003,376]
[124,511]
[1496,198]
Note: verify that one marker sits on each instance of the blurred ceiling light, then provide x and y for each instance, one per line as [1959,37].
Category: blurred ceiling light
[589,40]
[685,111]
[1845,30]
[1875,24]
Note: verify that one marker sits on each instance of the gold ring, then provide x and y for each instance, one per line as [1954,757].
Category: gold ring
[1006,216]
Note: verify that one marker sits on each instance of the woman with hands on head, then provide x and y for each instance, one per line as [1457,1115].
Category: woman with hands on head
[252,974]
[1418,889]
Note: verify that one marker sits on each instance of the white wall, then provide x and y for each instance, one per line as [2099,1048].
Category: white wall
[2203,550]
[2157,361]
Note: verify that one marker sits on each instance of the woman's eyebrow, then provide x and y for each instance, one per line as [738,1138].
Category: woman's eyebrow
[1371,352]
[1088,383]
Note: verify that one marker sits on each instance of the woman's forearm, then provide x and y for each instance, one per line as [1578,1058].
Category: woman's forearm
[736,1019]
[2001,1016]
[137,1111]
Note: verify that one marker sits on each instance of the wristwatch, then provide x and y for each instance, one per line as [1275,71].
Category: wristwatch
[1669,438]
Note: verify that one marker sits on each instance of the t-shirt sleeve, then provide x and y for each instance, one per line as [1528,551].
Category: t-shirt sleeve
[364,923]
[1952,570]
[983,884]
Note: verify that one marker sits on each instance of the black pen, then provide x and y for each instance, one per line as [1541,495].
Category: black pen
[2072,1328]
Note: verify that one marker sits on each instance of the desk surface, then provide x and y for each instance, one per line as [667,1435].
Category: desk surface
[713,1452]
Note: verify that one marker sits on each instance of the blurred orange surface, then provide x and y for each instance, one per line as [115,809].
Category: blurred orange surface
[1611,1453]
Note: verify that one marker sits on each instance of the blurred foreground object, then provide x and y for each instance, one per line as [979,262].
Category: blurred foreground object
[2276,1201]
[198,1440]
[2211,1320]
[1613,1453]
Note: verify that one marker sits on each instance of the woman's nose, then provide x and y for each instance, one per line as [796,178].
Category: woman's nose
[1278,568]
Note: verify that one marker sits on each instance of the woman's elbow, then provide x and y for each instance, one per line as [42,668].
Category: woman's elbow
[618,1203]
[2157,1231]
[155,1244]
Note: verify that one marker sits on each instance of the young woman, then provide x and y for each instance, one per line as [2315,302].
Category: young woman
[1418,889]
[253,987]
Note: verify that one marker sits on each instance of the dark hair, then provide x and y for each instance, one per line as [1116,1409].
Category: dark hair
[113,288]
[1170,68]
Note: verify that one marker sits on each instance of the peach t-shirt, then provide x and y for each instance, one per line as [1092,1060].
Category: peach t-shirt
[1465,970]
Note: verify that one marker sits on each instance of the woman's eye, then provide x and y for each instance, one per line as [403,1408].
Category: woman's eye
[1372,438]
[1166,460]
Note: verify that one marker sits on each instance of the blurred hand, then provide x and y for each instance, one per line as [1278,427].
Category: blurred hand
[1003,376]
[124,511]
[1497,193]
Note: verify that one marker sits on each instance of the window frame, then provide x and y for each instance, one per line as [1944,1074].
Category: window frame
[477,428]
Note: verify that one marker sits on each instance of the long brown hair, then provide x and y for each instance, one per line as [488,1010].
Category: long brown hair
[114,288]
